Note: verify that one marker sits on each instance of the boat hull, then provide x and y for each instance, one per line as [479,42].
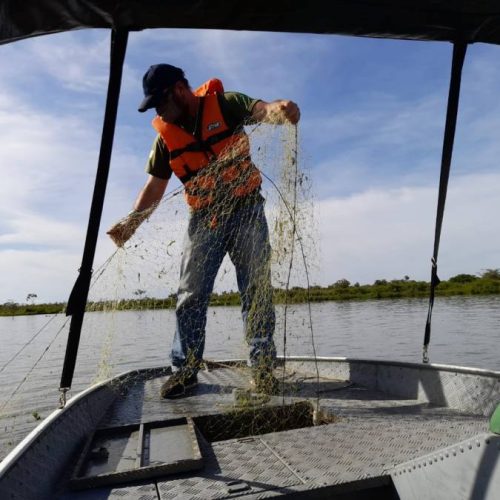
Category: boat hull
[383,415]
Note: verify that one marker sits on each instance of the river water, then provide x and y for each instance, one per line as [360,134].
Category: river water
[465,332]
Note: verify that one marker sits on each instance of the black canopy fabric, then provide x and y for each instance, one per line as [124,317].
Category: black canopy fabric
[447,20]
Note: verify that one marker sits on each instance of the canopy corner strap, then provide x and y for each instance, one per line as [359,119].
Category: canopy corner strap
[78,298]
[459,51]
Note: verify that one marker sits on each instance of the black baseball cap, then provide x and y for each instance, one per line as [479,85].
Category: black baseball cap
[155,81]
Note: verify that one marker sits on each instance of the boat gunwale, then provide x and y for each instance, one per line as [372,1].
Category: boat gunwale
[405,364]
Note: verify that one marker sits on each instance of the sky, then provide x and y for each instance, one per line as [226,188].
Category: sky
[373,114]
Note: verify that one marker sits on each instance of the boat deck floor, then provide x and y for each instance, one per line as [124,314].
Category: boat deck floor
[371,433]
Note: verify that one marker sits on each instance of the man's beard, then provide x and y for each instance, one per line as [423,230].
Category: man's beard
[175,112]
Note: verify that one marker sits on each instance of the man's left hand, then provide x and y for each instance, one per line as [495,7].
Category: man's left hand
[279,111]
[291,111]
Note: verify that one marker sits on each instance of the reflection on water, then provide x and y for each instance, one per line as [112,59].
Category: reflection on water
[464,332]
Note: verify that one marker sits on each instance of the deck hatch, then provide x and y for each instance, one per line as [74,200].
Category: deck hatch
[140,451]
[240,423]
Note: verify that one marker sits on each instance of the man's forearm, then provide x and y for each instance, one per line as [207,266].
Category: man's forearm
[146,202]
[150,195]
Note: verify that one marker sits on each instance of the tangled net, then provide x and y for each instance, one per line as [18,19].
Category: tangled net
[144,275]
[130,318]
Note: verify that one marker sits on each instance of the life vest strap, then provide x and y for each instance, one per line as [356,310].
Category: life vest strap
[221,165]
[192,147]
[200,146]
[214,139]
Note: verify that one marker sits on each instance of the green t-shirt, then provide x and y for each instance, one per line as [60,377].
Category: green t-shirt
[237,111]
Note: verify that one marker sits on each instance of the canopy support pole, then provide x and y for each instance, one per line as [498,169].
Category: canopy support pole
[78,297]
[459,50]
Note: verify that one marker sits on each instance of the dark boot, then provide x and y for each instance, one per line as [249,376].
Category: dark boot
[178,384]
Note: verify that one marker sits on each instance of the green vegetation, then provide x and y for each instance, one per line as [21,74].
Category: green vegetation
[11,308]
[487,283]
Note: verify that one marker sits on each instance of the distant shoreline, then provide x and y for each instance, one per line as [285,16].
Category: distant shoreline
[460,285]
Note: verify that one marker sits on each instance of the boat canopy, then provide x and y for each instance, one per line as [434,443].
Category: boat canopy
[440,20]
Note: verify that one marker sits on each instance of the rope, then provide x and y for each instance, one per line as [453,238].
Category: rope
[27,343]
[294,228]
[308,283]
[34,366]
[100,272]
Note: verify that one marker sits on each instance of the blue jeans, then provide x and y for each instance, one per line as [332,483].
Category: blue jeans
[245,236]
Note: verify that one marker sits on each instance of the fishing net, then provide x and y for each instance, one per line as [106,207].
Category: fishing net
[130,320]
[144,275]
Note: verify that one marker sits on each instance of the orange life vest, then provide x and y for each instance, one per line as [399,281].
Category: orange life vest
[223,152]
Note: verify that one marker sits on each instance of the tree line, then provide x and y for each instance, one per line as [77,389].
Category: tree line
[486,283]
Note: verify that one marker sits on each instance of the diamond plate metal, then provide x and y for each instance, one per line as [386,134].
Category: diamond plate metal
[363,445]
[373,431]
[466,389]
[143,403]
[139,492]
[469,470]
[247,461]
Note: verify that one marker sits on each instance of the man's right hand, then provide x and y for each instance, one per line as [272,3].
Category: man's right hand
[123,230]
[149,197]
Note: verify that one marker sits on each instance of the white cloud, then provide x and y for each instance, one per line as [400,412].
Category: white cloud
[35,230]
[49,274]
[259,64]
[48,160]
[389,233]
[51,119]
[76,61]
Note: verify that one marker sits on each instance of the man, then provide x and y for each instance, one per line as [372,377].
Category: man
[201,139]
